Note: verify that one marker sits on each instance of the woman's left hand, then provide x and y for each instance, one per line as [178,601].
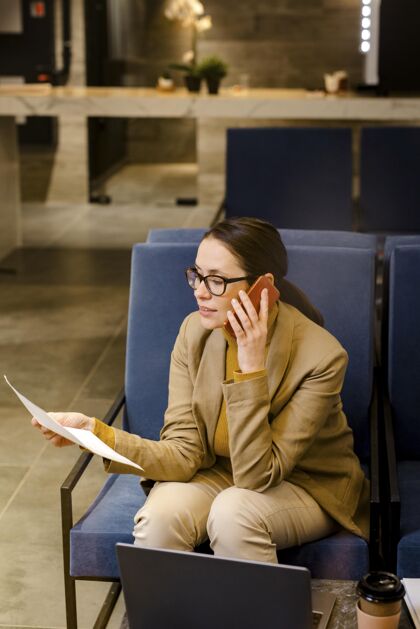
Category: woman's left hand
[70,420]
[251,333]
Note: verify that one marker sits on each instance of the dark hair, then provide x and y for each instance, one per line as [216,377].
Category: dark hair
[255,243]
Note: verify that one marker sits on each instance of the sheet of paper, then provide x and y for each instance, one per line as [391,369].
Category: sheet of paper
[79,436]
[412,598]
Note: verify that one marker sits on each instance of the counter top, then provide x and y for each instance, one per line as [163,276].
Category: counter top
[125,102]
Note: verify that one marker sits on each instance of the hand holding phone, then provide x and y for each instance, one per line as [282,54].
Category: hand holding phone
[254,294]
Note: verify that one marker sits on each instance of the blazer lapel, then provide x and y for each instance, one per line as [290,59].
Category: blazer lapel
[280,345]
[207,396]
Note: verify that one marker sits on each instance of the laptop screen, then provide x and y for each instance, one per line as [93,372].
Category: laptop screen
[166,588]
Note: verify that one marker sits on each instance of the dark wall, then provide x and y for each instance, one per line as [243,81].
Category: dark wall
[107,136]
[399,57]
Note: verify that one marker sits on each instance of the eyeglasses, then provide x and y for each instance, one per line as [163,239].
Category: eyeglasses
[215,284]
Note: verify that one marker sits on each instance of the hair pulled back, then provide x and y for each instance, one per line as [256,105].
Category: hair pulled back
[255,243]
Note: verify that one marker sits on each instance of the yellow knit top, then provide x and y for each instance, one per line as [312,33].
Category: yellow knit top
[232,372]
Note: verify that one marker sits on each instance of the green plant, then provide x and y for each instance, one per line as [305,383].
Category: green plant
[188,68]
[212,68]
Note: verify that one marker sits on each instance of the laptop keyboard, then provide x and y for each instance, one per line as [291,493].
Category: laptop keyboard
[316,619]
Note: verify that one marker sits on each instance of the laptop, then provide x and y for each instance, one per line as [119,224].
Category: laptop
[182,590]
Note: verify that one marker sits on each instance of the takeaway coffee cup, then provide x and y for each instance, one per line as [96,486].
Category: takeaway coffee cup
[379,604]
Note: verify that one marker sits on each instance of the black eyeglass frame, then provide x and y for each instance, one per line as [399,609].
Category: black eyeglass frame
[204,278]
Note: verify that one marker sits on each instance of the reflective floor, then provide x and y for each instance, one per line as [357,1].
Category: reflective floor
[63,304]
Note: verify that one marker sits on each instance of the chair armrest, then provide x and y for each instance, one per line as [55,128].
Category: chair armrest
[375,551]
[72,480]
[394,492]
[85,458]
[390,495]
[375,493]
[393,505]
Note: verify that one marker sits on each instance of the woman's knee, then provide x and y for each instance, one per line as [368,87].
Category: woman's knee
[223,509]
[232,525]
[165,521]
[156,526]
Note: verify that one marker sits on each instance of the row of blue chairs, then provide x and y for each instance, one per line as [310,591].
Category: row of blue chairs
[301,178]
[337,271]
[401,366]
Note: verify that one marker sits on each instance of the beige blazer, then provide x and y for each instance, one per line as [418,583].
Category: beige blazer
[288,424]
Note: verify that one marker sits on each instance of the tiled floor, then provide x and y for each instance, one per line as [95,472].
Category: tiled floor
[62,336]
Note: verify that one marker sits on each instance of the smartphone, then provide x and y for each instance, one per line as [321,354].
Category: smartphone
[254,293]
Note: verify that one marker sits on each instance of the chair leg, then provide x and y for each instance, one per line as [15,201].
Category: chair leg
[71,606]
[108,606]
[69,581]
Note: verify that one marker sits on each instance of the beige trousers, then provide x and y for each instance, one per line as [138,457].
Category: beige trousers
[240,523]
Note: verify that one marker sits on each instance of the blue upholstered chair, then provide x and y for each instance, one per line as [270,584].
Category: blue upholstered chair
[398,241]
[389,179]
[346,299]
[317,237]
[390,243]
[322,555]
[402,402]
[340,283]
[293,177]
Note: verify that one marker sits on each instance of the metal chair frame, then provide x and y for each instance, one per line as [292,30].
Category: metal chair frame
[67,524]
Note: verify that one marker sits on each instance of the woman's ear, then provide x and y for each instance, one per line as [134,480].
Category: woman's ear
[270,276]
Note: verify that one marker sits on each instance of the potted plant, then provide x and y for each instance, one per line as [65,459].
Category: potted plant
[191,15]
[192,77]
[213,70]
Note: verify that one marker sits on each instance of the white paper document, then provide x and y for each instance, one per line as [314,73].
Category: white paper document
[412,598]
[81,437]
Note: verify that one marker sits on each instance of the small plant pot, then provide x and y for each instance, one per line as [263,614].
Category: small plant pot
[213,85]
[192,83]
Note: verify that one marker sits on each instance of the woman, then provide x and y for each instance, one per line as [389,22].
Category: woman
[255,453]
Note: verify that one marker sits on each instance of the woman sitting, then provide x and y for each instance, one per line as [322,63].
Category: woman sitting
[255,453]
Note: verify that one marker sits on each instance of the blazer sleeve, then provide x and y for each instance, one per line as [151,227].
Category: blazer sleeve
[264,452]
[179,453]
